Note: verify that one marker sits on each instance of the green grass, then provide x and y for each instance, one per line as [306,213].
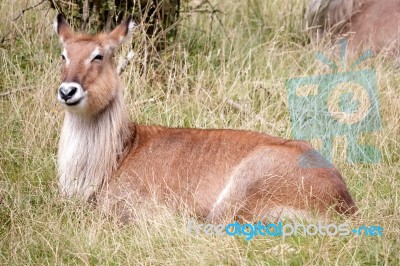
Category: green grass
[246,59]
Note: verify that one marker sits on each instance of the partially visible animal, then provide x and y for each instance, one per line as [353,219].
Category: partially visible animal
[366,24]
[220,174]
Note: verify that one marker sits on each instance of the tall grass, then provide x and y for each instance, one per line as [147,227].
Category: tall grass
[220,73]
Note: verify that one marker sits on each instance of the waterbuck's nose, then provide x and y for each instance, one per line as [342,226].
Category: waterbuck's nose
[67,91]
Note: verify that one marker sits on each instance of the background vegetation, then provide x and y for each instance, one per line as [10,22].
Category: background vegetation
[159,17]
[226,69]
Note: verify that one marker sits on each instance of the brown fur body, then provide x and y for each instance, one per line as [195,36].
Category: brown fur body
[367,24]
[196,165]
[218,174]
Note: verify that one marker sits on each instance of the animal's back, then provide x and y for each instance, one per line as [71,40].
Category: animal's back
[211,169]
[376,26]
[367,24]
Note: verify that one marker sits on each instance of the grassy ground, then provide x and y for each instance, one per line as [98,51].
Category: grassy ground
[199,82]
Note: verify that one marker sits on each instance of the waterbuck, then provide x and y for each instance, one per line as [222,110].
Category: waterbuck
[366,24]
[217,173]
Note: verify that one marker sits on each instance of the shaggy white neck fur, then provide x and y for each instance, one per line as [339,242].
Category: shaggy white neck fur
[89,149]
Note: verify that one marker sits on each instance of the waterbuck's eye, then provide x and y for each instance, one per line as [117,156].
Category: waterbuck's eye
[63,57]
[98,57]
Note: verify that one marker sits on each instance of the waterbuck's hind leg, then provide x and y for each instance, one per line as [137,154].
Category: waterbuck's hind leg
[233,196]
[267,184]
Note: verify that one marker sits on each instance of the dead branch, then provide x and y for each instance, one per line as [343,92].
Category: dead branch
[27,9]
[14,91]
[85,14]
[244,109]
[124,63]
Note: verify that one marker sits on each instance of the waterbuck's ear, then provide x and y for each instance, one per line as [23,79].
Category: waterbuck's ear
[62,28]
[123,30]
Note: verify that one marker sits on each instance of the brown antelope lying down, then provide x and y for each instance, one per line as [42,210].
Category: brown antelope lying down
[219,174]
[367,24]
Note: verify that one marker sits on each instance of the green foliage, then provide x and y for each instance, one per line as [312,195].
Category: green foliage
[159,17]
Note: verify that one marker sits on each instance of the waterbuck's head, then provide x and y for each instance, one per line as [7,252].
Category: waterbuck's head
[89,77]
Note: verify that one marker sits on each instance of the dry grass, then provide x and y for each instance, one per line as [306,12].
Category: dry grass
[247,59]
